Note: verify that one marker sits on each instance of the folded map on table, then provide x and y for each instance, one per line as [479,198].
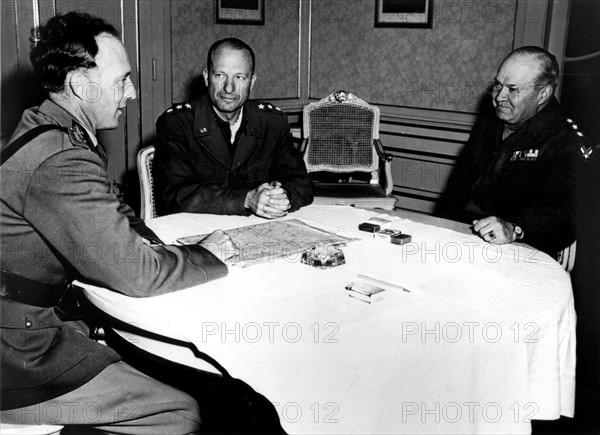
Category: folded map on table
[284,239]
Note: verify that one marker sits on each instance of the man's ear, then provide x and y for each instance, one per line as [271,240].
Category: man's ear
[205,75]
[252,81]
[544,94]
[77,83]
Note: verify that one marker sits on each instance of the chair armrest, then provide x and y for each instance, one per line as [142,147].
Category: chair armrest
[386,159]
[387,169]
[381,152]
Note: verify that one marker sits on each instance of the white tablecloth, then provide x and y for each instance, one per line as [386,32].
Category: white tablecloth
[483,341]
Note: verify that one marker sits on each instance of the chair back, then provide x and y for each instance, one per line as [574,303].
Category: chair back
[340,130]
[145,159]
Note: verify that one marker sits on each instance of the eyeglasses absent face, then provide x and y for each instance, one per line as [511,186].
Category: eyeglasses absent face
[230,80]
[516,97]
[109,84]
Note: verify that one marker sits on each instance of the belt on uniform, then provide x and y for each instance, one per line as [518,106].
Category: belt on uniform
[29,291]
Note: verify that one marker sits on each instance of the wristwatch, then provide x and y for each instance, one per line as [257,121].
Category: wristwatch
[518,232]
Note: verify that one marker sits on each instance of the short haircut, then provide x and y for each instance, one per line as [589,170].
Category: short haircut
[232,43]
[66,43]
[549,72]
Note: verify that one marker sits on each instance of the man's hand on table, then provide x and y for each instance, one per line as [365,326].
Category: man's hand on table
[494,230]
[269,200]
[220,244]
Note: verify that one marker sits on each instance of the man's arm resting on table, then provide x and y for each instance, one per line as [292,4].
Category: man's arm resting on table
[78,216]
[548,229]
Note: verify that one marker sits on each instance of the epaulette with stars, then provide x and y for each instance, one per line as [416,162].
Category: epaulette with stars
[179,106]
[268,107]
[586,151]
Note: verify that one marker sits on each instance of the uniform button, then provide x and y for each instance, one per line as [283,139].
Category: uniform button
[28,324]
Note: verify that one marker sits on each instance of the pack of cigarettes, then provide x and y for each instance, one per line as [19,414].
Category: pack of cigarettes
[401,239]
[386,235]
[373,225]
[365,292]
[369,227]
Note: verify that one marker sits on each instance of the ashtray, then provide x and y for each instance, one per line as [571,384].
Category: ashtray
[323,257]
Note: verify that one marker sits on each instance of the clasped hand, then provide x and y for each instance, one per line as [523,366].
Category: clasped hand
[494,230]
[269,200]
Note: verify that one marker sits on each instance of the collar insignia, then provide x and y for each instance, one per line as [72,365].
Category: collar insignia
[586,152]
[78,135]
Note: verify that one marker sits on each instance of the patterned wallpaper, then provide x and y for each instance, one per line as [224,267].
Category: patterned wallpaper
[446,67]
[275,45]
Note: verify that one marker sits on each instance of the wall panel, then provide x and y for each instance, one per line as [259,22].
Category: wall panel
[276,46]
[423,158]
[19,87]
[447,67]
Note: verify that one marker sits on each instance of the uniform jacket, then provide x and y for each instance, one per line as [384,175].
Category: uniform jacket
[59,218]
[195,172]
[530,179]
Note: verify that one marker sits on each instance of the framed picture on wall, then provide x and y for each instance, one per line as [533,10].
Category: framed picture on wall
[240,11]
[404,13]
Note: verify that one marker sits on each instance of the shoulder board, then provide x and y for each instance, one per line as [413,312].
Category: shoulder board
[268,107]
[78,135]
[585,149]
[179,107]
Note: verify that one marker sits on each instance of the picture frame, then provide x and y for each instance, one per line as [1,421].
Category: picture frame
[404,13]
[240,12]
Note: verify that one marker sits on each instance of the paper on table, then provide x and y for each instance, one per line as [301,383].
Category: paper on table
[273,240]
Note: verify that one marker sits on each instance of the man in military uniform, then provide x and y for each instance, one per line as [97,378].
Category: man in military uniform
[59,220]
[224,153]
[517,179]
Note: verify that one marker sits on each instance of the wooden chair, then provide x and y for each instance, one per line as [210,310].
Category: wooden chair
[343,153]
[145,158]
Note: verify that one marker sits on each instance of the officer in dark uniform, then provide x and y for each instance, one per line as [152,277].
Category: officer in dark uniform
[60,220]
[225,154]
[518,177]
